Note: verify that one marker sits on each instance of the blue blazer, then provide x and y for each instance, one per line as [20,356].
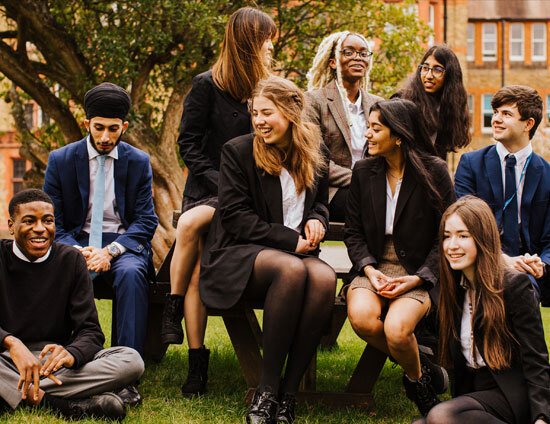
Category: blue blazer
[479,173]
[67,181]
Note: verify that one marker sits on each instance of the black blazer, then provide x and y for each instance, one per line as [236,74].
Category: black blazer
[416,222]
[210,118]
[249,219]
[526,384]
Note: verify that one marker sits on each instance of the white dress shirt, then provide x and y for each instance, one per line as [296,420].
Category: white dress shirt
[19,253]
[391,204]
[521,157]
[111,219]
[357,129]
[466,335]
[293,203]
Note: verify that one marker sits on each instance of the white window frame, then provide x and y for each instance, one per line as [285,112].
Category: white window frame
[470,42]
[484,111]
[489,55]
[471,110]
[534,57]
[548,110]
[519,40]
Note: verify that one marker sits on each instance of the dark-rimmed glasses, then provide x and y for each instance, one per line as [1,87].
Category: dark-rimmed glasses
[437,71]
[352,53]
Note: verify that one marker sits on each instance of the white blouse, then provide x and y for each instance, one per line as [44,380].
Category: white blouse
[293,203]
[467,335]
[391,204]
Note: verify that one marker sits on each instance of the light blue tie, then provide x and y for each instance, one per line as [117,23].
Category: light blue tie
[96,228]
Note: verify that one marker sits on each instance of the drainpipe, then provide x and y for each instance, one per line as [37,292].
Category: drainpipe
[503,54]
[445,21]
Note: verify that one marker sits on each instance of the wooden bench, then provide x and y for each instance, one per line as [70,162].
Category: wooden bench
[245,334]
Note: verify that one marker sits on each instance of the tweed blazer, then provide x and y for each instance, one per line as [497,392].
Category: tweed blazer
[326,109]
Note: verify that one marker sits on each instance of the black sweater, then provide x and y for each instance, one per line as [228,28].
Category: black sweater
[50,302]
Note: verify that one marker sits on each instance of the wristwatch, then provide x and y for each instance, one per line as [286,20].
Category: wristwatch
[113,250]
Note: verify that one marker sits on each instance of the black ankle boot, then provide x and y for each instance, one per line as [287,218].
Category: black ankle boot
[171,331]
[197,376]
[263,409]
[287,406]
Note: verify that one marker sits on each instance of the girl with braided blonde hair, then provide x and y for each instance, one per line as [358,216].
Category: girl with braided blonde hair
[338,103]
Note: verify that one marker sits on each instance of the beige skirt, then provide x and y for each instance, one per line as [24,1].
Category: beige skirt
[390,266]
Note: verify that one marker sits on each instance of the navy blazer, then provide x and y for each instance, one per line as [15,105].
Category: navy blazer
[479,173]
[67,181]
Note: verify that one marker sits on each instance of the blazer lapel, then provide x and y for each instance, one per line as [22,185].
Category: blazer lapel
[120,175]
[273,195]
[494,176]
[336,108]
[378,199]
[533,175]
[82,171]
[408,185]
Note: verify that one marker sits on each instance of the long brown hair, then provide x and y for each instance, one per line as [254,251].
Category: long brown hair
[488,286]
[303,158]
[240,65]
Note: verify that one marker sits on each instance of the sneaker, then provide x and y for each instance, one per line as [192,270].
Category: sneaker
[171,331]
[421,393]
[438,377]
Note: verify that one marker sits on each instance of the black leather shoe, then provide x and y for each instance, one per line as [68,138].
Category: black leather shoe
[130,396]
[263,409]
[171,331]
[106,405]
[421,393]
[286,413]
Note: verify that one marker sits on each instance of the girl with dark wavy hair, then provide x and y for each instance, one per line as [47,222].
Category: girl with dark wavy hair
[491,333]
[395,201]
[438,90]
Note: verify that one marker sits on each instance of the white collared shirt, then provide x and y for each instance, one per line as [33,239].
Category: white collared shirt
[111,219]
[357,129]
[466,335]
[293,203]
[19,253]
[521,157]
[391,204]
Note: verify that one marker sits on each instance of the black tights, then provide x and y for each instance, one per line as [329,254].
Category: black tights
[462,409]
[299,296]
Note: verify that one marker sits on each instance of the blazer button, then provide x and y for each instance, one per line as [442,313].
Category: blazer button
[402,253]
[235,114]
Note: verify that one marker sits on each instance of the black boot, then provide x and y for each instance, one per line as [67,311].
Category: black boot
[438,377]
[287,406]
[263,409]
[106,405]
[421,393]
[197,376]
[171,331]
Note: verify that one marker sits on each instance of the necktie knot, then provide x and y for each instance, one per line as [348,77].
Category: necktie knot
[510,161]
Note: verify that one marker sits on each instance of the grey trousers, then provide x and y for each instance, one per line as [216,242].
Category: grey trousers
[110,370]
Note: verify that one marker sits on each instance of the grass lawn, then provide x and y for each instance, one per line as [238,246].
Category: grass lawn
[224,402]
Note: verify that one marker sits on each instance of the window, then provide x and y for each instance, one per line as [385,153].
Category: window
[516,42]
[489,42]
[471,110]
[19,169]
[471,42]
[538,33]
[29,115]
[431,23]
[487,113]
[548,109]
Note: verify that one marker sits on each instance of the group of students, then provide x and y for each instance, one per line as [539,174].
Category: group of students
[268,165]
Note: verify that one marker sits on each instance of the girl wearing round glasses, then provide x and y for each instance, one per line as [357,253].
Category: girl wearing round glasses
[438,90]
[491,333]
[339,103]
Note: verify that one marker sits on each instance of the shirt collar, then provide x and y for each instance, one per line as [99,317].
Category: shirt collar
[19,253]
[521,155]
[355,107]
[93,153]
